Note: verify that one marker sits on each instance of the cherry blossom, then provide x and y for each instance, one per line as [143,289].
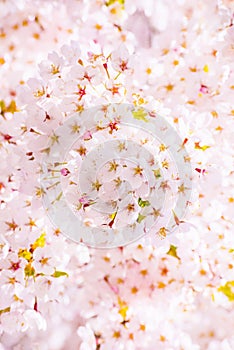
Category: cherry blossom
[63,66]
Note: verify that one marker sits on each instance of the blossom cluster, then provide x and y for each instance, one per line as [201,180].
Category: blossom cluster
[58,60]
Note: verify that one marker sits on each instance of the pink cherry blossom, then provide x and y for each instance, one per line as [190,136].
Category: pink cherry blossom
[158,174]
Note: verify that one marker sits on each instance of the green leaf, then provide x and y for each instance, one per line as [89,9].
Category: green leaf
[228,290]
[173,251]
[157,173]
[140,218]
[57,274]
[140,114]
[29,270]
[142,203]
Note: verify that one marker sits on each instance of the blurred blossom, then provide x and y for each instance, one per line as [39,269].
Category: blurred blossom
[175,59]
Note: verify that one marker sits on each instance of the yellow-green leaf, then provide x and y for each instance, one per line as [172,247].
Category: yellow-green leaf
[39,242]
[29,270]
[157,173]
[57,274]
[228,290]
[142,203]
[173,251]
[12,108]
[140,218]
[111,2]
[140,114]
[24,253]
